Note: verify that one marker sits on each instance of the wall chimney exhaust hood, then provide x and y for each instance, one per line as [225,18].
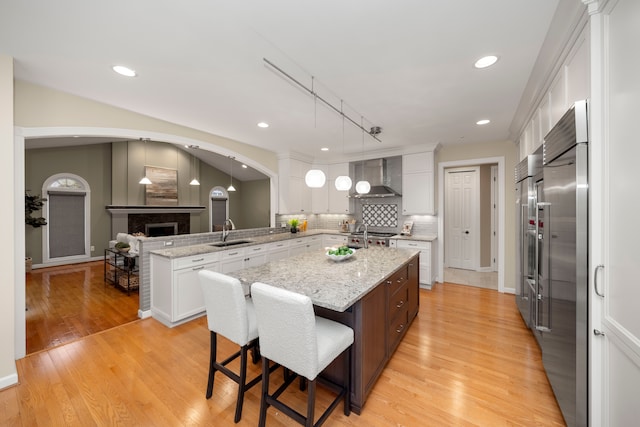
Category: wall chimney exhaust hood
[384,175]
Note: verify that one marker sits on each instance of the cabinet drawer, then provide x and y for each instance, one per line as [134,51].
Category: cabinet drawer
[415,244]
[396,280]
[397,329]
[192,261]
[233,253]
[398,301]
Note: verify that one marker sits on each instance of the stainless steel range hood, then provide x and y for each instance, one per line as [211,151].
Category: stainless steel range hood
[384,175]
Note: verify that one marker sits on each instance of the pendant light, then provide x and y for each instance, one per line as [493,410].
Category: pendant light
[194,181]
[145,180]
[231,187]
[314,178]
[343,182]
[363,186]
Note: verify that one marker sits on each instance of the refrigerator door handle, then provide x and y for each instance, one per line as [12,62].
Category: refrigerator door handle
[595,280]
[524,226]
[540,240]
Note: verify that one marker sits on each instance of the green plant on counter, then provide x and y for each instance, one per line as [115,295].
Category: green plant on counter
[294,223]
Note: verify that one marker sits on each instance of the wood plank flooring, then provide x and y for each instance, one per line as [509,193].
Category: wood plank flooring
[69,302]
[467,360]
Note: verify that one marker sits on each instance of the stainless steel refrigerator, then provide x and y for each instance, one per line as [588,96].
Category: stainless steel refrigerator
[525,173]
[560,306]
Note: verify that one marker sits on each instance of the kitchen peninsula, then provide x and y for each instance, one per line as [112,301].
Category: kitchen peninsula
[375,292]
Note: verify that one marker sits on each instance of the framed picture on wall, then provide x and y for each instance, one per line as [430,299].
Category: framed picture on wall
[164,188]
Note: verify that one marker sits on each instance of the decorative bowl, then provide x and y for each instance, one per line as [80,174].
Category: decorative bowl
[340,257]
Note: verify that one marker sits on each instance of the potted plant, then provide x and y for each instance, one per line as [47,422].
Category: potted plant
[31,205]
[294,225]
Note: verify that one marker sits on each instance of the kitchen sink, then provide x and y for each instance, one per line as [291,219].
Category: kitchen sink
[230,243]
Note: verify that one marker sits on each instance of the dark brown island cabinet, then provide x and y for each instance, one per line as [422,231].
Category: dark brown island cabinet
[380,319]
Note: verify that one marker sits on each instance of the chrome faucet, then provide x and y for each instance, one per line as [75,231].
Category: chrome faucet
[365,236]
[226,226]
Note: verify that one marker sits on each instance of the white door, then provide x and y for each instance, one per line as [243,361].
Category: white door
[461,218]
[615,359]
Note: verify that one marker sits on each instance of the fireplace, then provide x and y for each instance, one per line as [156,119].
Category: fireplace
[161,229]
[135,218]
[159,224]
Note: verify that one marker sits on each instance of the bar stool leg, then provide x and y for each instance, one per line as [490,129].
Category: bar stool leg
[311,403]
[242,382]
[212,367]
[265,392]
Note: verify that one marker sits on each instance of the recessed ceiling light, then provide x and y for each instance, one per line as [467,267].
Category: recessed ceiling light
[124,71]
[263,125]
[244,166]
[324,149]
[483,122]
[485,62]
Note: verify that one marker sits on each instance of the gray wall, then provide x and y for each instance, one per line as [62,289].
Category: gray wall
[91,162]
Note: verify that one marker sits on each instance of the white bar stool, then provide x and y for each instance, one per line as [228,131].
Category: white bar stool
[231,315]
[293,337]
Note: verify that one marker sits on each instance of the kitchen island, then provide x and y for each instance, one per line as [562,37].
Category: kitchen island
[375,292]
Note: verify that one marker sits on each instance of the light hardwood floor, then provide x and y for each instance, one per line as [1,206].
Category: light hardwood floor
[467,360]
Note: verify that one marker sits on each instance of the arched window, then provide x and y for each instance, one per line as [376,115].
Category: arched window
[219,208]
[67,211]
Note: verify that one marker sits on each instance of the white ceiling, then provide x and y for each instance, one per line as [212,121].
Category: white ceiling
[406,66]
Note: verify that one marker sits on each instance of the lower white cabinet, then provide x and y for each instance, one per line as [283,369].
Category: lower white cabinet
[277,250]
[255,255]
[176,296]
[314,242]
[427,259]
[232,260]
[334,240]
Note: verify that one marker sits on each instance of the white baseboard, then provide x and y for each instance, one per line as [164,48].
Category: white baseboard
[144,314]
[58,263]
[485,270]
[8,381]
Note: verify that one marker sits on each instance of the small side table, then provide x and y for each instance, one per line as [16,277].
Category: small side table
[121,269]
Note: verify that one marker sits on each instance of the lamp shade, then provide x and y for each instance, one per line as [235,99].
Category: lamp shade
[315,178]
[145,181]
[343,183]
[363,187]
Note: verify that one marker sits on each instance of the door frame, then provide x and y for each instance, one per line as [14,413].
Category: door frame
[500,161]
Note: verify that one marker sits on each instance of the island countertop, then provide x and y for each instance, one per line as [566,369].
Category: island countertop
[329,284]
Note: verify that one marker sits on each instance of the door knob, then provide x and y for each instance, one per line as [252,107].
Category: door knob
[466,232]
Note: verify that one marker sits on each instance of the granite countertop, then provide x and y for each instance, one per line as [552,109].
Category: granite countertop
[330,284]
[205,248]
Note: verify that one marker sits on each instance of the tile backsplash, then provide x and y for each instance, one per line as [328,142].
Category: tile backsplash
[380,215]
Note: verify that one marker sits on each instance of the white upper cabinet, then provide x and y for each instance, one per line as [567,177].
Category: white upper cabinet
[320,196]
[294,195]
[339,201]
[417,184]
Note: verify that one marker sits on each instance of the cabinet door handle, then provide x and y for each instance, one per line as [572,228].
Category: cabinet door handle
[388,282]
[233,253]
[595,280]
[400,328]
[197,268]
[197,260]
[400,304]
